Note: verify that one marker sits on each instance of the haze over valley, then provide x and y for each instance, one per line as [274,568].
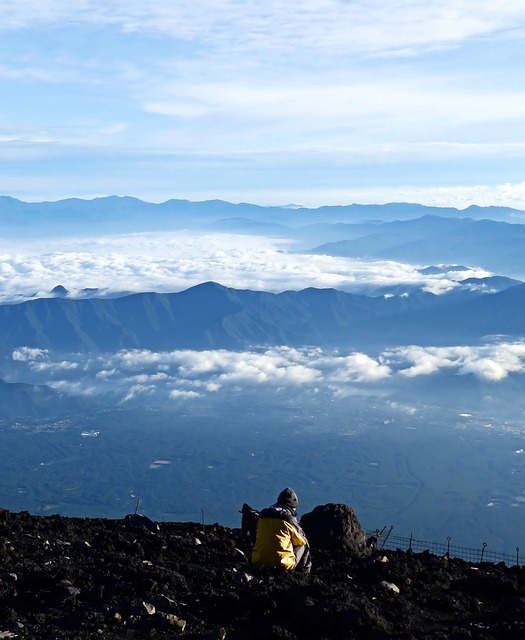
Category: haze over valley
[197,359]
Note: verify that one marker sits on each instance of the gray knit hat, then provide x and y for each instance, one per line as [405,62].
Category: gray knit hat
[288,498]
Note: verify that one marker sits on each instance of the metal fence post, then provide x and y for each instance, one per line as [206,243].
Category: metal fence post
[386,537]
[483,551]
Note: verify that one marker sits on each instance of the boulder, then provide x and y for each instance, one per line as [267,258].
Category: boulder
[335,527]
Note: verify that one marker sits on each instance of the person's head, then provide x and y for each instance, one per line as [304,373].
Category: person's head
[288,499]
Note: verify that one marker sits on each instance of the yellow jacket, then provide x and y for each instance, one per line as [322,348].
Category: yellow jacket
[275,541]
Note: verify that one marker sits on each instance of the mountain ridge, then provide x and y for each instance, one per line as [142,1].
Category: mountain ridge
[211,315]
[492,244]
[132,213]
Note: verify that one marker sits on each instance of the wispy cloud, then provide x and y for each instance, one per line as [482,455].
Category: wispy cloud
[336,25]
[325,100]
[346,115]
[329,101]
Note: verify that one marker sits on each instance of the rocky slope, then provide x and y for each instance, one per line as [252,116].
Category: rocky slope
[95,578]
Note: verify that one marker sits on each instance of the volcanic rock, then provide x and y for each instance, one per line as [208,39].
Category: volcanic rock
[335,527]
[54,587]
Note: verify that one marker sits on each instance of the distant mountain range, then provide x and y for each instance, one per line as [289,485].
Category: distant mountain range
[214,316]
[498,246]
[125,214]
[488,237]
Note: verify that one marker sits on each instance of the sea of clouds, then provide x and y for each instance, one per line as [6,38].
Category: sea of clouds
[170,262]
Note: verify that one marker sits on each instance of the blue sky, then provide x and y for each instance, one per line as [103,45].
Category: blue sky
[313,102]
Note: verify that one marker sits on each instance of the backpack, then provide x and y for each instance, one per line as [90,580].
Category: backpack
[249,519]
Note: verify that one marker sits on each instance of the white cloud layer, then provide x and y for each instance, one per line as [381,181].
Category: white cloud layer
[189,375]
[29,354]
[489,362]
[168,262]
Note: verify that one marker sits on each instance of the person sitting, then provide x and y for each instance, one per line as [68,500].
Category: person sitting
[280,541]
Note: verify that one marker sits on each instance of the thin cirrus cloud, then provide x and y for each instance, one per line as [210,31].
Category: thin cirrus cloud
[188,375]
[357,107]
[170,262]
[323,102]
[375,26]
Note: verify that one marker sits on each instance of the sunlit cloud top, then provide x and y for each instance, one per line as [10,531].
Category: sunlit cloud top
[184,375]
[315,102]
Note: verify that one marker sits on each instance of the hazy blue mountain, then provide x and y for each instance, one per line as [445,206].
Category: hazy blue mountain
[443,268]
[19,401]
[245,225]
[59,291]
[213,316]
[491,284]
[408,211]
[464,289]
[303,236]
[497,246]
[496,314]
[125,214]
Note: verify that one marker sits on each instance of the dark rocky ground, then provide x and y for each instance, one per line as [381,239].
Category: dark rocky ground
[96,578]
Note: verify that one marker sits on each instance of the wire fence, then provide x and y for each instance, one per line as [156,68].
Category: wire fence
[386,540]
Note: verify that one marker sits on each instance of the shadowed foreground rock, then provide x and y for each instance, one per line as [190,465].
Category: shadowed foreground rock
[335,527]
[94,578]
